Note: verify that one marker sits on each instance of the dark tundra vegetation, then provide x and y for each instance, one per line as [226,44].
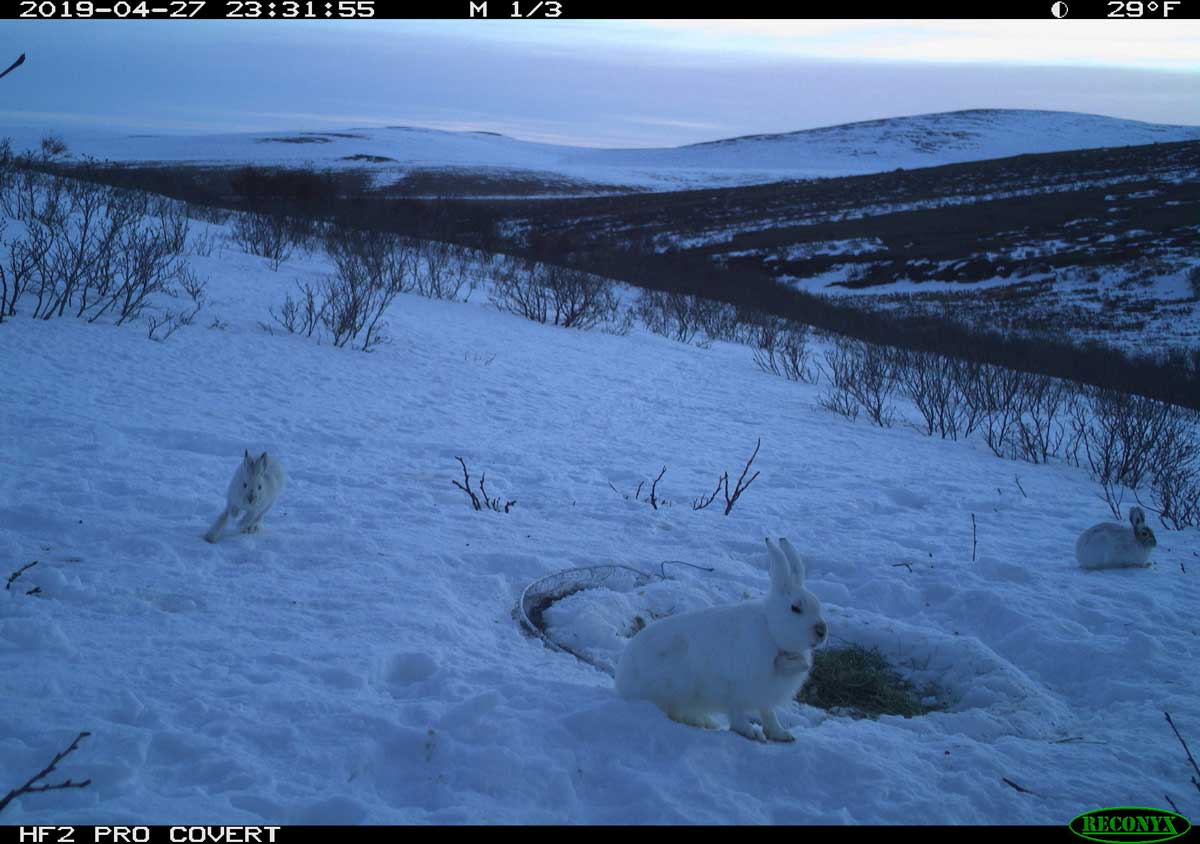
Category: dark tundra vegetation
[1128,213]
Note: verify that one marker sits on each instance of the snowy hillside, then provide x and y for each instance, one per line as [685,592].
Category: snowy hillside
[358,661]
[856,148]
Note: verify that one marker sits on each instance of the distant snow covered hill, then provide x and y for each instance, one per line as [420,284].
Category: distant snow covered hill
[852,149]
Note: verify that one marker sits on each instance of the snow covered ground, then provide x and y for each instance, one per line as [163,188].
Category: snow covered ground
[358,661]
[851,149]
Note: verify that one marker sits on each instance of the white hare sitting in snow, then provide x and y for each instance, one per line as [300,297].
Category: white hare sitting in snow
[255,486]
[735,660]
[1109,545]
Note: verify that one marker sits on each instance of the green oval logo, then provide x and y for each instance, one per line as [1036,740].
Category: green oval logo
[1130,825]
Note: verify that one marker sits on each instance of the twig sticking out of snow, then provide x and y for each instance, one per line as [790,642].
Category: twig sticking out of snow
[1186,749]
[702,502]
[740,487]
[467,487]
[723,484]
[30,788]
[488,502]
[973,538]
[653,500]
[654,488]
[1007,781]
[12,577]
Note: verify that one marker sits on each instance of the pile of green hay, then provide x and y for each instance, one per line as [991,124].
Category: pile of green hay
[861,683]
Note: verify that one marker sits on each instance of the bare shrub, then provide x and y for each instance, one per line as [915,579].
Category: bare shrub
[203,244]
[372,270]
[862,376]
[933,383]
[723,485]
[718,320]
[354,304]
[269,235]
[671,314]
[1040,426]
[301,316]
[840,364]
[386,259]
[194,290]
[967,374]
[92,250]
[441,271]
[208,213]
[1175,469]
[488,502]
[81,245]
[515,289]
[144,266]
[172,220]
[782,349]
[1129,440]
[1176,495]
[995,393]
[554,294]
[579,299]
[51,147]
[25,256]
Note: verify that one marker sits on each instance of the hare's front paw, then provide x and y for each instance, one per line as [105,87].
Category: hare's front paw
[251,528]
[778,735]
[742,726]
[704,722]
[772,729]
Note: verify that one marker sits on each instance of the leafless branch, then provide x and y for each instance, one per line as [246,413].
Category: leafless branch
[740,487]
[1186,749]
[1009,782]
[702,502]
[654,488]
[12,577]
[466,485]
[488,503]
[30,788]
[973,542]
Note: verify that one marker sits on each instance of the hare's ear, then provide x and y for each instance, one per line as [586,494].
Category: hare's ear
[262,461]
[247,459]
[781,573]
[796,564]
[1136,516]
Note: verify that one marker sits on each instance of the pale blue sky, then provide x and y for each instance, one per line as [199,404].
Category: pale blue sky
[600,83]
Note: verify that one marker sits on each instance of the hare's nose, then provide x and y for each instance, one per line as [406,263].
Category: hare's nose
[821,629]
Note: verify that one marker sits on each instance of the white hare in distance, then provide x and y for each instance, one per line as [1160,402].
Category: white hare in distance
[255,487]
[734,661]
[1109,545]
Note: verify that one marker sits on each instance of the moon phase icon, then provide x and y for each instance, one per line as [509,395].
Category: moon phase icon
[1059,9]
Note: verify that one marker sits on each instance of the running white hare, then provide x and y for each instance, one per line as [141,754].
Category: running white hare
[1109,545]
[735,660]
[255,486]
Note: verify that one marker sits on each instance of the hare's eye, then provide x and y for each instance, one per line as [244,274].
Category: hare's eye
[798,609]
[243,485]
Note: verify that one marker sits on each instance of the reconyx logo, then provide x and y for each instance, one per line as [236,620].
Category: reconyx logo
[1127,824]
